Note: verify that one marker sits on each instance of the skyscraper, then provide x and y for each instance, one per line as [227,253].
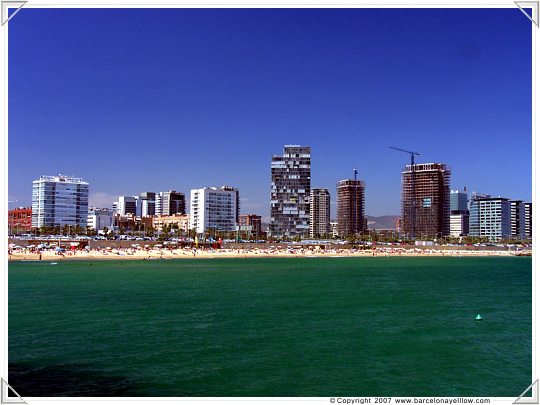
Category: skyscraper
[58,201]
[351,207]
[425,200]
[319,213]
[289,194]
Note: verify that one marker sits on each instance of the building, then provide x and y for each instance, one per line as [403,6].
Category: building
[170,203]
[319,212]
[517,219]
[459,214]
[528,220]
[126,205]
[58,201]
[289,192]
[334,229]
[251,224]
[237,193]
[214,209]
[490,218]
[146,204]
[476,196]
[351,208]
[100,218]
[177,221]
[19,220]
[425,200]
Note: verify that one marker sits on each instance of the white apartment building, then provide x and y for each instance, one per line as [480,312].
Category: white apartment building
[100,218]
[214,208]
[58,201]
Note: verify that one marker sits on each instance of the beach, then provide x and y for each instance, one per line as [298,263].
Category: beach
[193,253]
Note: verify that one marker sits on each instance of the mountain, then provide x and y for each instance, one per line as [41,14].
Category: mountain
[384,222]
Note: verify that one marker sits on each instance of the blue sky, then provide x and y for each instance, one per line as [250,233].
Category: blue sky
[136,100]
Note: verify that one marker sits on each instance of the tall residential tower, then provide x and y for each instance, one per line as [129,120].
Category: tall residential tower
[425,200]
[351,207]
[319,214]
[289,194]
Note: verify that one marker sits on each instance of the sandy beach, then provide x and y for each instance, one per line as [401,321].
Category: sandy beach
[190,253]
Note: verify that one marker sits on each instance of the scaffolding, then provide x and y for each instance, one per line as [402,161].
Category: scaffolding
[425,200]
[350,216]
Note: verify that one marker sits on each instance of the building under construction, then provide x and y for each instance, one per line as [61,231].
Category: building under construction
[350,208]
[425,200]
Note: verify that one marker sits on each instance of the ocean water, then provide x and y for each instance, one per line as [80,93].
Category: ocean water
[378,326]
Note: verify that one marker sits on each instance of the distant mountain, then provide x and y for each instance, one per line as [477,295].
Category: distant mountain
[384,222]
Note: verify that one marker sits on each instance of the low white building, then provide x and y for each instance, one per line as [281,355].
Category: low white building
[100,218]
[214,208]
[459,225]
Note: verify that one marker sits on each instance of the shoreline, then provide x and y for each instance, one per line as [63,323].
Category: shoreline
[174,254]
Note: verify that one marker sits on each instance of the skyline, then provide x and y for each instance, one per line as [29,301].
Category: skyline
[180,99]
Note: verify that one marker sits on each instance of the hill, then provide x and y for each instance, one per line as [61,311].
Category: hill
[384,222]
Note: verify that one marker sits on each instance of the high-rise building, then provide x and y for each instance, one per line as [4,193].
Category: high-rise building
[459,213]
[289,194]
[351,207]
[517,219]
[319,212]
[146,204]
[425,200]
[490,218]
[528,220]
[213,209]
[58,201]
[170,203]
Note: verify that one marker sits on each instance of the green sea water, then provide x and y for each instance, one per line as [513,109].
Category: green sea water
[378,326]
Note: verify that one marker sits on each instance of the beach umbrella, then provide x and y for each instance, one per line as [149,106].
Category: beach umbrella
[158,245]
[58,248]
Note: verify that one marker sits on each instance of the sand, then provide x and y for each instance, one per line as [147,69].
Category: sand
[167,254]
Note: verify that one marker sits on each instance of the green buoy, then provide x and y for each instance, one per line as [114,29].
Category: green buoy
[479,318]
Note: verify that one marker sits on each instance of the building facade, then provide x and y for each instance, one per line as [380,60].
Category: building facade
[146,204]
[100,218]
[58,201]
[517,219]
[351,207]
[213,209]
[126,205]
[490,218]
[251,224]
[459,213]
[178,221]
[319,212]
[289,193]
[425,200]
[19,220]
[528,220]
[170,203]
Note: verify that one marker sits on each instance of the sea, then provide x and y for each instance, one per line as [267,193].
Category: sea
[271,327]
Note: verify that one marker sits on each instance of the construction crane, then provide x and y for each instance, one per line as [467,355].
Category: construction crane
[407,151]
[412,204]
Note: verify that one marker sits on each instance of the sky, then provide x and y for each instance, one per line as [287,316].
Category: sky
[135,100]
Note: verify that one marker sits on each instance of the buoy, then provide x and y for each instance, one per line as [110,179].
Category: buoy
[479,318]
